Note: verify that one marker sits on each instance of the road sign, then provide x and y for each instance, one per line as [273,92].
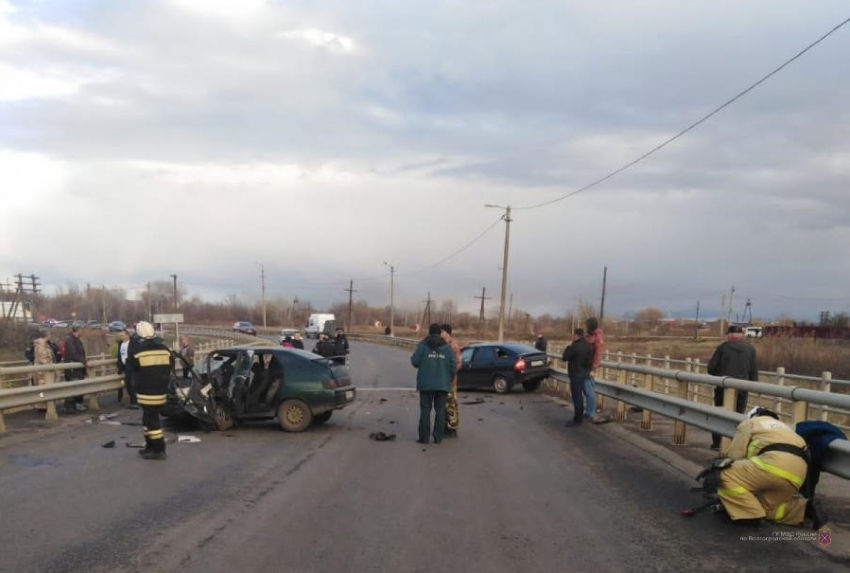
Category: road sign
[168,318]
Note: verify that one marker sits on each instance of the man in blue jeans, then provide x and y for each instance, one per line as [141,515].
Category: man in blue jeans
[579,358]
[435,362]
[597,340]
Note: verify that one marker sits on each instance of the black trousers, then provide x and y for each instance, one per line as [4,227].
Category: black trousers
[77,374]
[740,407]
[577,393]
[130,385]
[154,436]
[436,399]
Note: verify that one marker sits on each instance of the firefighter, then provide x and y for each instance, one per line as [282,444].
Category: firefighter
[151,363]
[769,462]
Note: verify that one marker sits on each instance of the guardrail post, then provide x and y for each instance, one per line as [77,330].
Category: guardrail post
[729,395]
[51,415]
[2,422]
[646,415]
[800,412]
[825,386]
[94,406]
[666,367]
[679,427]
[622,378]
[780,381]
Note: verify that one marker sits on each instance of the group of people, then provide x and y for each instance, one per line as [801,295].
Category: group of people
[582,357]
[332,348]
[437,360]
[45,351]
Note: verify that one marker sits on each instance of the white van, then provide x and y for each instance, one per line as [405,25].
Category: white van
[753,332]
[316,324]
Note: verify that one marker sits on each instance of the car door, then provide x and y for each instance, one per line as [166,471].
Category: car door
[466,375]
[483,366]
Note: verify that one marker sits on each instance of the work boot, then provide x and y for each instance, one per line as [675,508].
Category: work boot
[152,455]
[816,514]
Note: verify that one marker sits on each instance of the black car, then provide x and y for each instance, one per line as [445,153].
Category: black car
[260,383]
[245,328]
[501,366]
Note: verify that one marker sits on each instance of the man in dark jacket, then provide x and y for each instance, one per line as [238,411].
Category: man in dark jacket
[579,359]
[151,363]
[341,343]
[541,344]
[435,362]
[75,352]
[324,347]
[737,359]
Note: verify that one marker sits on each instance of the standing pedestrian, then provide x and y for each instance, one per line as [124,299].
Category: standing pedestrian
[43,356]
[735,358]
[151,362]
[541,344]
[435,362]
[123,368]
[452,410]
[75,352]
[341,343]
[579,359]
[595,337]
[187,350]
[324,347]
[297,341]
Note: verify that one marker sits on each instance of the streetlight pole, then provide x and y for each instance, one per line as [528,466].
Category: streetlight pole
[392,298]
[507,219]
[263,289]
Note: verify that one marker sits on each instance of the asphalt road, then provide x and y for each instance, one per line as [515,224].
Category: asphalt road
[515,492]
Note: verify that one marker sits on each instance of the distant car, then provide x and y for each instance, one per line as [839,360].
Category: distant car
[753,332]
[93,324]
[502,366]
[245,328]
[290,332]
[78,324]
[116,326]
[50,322]
[62,324]
[247,383]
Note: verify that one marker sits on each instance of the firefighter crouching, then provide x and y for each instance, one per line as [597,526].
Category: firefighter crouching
[151,362]
[769,467]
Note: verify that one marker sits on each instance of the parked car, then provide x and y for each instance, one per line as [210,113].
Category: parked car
[245,328]
[50,322]
[93,323]
[246,383]
[501,366]
[78,324]
[116,326]
[62,324]
[753,332]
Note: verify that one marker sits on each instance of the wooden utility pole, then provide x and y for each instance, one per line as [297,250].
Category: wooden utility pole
[602,303]
[510,311]
[696,325]
[723,315]
[176,304]
[351,292]
[150,303]
[426,314]
[483,297]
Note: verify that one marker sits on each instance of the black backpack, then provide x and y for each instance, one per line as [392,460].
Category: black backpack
[29,353]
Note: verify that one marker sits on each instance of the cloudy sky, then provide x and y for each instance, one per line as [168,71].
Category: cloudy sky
[321,138]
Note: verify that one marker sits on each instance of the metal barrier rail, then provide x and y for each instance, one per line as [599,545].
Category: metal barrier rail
[105,380]
[711,418]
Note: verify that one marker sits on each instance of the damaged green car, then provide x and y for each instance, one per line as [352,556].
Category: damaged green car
[247,383]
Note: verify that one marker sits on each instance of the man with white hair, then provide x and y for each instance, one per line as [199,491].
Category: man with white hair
[151,362]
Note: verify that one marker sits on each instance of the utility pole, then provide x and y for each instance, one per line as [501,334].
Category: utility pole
[426,314]
[723,315]
[507,218]
[263,289]
[351,292]
[602,303]
[696,325]
[510,311]
[150,303]
[176,304]
[392,298]
[729,311]
[483,297]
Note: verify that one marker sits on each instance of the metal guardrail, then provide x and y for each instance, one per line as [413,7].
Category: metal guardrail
[105,380]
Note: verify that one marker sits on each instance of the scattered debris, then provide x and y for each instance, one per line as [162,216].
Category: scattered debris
[382,437]
[472,402]
[109,444]
[382,400]
[522,407]
[480,419]
[601,420]
[134,445]
[188,439]
[392,421]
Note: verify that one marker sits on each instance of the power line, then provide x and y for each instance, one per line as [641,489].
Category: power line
[460,250]
[690,127]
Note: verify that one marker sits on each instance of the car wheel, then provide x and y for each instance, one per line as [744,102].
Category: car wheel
[501,385]
[323,417]
[294,416]
[531,386]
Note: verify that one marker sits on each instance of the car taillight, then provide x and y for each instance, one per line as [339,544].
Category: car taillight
[520,364]
[330,383]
